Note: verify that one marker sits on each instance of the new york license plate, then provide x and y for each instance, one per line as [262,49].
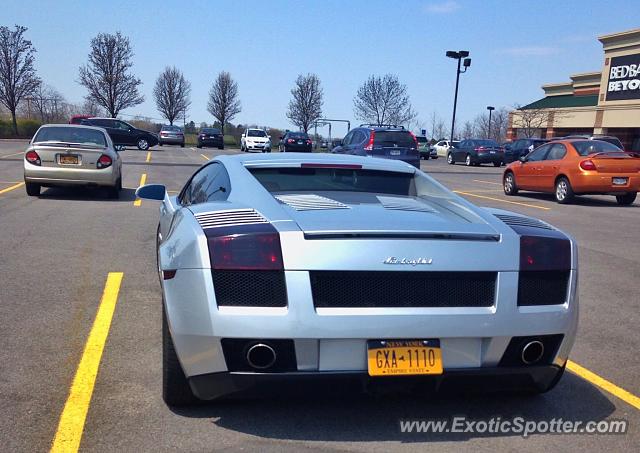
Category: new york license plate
[404,357]
[69,160]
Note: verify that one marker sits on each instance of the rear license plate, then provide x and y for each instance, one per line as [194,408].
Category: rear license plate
[619,181]
[299,143]
[68,160]
[492,152]
[403,357]
[394,152]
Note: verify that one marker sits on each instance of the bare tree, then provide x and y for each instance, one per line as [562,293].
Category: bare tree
[530,121]
[438,127]
[224,102]
[468,130]
[172,94]
[107,76]
[17,75]
[90,107]
[49,103]
[500,124]
[306,105]
[383,100]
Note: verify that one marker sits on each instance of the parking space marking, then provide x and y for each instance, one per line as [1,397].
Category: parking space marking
[204,156]
[605,385]
[8,189]
[487,182]
[502,201]
[74,414]
[148,156]
[143,180]
[9,155]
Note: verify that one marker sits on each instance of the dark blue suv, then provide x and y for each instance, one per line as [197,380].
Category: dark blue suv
[388,142]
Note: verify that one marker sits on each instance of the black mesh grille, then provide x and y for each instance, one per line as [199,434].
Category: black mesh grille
[403,289]
[250,288]
[542,287]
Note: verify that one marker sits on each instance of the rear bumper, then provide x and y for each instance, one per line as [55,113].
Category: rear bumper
[488,158]
[56,176]
[171,140]
[598,183]
[216,385]
[210,142]
[297,149]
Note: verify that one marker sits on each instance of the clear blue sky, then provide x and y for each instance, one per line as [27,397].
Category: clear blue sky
[516,46]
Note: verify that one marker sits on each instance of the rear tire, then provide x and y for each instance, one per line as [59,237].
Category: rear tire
[467,161]
[159,143]
[199,146]
[114,192]
[142,144]
[220,147]
[175,387]
[450,160]
[33,190]
[551,385]
[563,193]
[626,199]
[497,164]
[509,184]
[181,145]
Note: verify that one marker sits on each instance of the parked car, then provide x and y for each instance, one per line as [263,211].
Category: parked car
[319,266]
[210,136]
[443,146]
[324,144]
[476,152]
[72,155]
[423,147]
[171,135]
[522,147]
[573,167]
[123,133]
[77,119]
[255,140]
[388,142]
[295,142]
[603,138]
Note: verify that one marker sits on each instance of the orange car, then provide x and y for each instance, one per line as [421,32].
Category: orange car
[576,167]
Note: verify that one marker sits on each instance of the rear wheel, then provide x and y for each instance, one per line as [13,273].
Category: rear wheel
[450,160]
[564,193]
[142,144]
[33,190]
[198,146]
[175,387]
[114,192]
[221,147]
[509,184]
[497,164]
[159,143]
[182,145]
[626,199]
[467,160]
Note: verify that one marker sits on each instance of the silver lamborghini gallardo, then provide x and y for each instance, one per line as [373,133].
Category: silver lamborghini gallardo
[298,267]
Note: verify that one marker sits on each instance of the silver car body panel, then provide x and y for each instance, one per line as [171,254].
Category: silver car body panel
[454,234]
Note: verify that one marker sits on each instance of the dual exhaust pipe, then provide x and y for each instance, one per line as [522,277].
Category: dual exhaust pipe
[261,356]
[532,352]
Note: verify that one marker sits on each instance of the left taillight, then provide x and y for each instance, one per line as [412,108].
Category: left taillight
[32,157]
[104,161]
[538,253]
[257,248]
[415,139]
[369,146]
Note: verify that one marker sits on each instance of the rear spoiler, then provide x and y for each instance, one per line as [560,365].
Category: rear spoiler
[606,153]
[70,145]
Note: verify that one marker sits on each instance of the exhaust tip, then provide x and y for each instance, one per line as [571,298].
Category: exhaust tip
[261,356]
[532,352]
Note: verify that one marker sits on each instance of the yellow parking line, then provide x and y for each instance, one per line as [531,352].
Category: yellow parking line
[487,182]
[148,156]
[143,180]
[605,385]
[74,414]
[9,155]
[204,156]
[503,201]
[20,184]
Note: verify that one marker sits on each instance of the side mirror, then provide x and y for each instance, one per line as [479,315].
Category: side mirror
[522,159]
[242,135]
[269,136]
[151,192]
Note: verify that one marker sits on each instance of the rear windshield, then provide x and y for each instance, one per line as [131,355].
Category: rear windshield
[612,140]
[329,179]
[486,143]
[256,133]
[70,135]
[422,139]
[171,128]
[298,135]
[393,139]
[211,130]
[587,147]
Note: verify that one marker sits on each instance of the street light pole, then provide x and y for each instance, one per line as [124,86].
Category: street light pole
[491,109]
[460,55]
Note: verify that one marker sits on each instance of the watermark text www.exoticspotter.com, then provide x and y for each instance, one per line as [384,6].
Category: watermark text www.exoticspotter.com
[516,425]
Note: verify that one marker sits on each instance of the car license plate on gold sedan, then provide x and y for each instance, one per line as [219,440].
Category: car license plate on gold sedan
[403,357]
[69,159]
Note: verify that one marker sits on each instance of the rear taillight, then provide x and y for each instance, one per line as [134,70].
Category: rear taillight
[32,157]
[415,139]
[588,165]
[309,142]
[104,161]
[539,253]
[480,148]
[290,140]
[369,145]
[257,249]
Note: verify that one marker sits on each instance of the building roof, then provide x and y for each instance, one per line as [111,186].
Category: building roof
[563,101]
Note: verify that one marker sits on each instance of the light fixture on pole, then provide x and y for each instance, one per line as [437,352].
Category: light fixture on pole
[459,55]
[491,109]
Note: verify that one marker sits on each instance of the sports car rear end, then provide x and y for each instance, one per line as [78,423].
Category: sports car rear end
[352,268]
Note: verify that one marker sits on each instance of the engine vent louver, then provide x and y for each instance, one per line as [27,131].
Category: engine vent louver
[514,220]
[404,204]
[310,202]
[228,218]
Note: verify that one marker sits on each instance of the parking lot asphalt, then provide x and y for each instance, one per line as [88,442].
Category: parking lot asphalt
[57,250]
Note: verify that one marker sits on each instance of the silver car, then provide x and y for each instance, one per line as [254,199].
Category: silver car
[302,267]
[171,135]
[72,155]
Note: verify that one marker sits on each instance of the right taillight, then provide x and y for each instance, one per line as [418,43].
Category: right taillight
[104,161]
[588,165]
[256,249]
[539,253]
[369,145]
[32,157]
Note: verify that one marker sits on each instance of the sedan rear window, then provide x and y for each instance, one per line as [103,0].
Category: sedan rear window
[587,147]
[210,130]
[392,139]
[298,135]
[331,179]
[78,135]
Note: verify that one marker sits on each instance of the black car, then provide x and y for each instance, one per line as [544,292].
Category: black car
[521,148]
[387,141]
[295,142]
[210,136]
[124,134]
[476,152]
